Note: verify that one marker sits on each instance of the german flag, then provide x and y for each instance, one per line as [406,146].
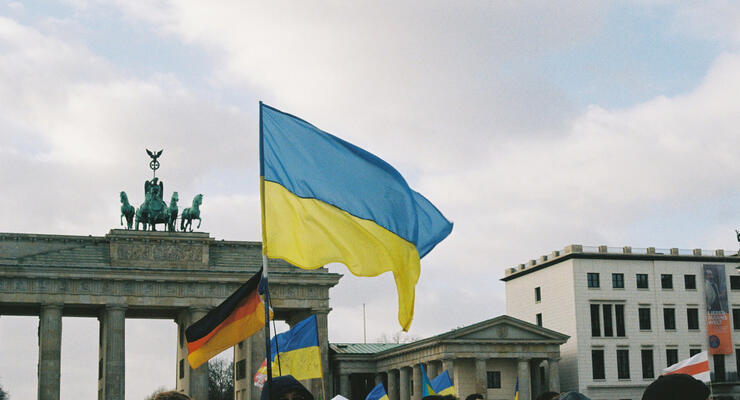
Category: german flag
[240,316]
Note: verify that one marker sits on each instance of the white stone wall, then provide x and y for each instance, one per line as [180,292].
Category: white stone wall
[508,369]
[557,303]
[565,307]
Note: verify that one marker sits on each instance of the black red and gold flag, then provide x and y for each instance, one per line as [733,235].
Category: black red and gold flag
[238,317]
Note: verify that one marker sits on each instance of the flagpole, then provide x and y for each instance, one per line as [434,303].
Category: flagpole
[268,352]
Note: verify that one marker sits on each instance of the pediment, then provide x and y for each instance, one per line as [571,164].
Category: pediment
[506,328]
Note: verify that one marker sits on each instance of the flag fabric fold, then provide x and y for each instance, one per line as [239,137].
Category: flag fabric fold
[299,351]
[426,385]
[325,200]
[260,377]
[238,317]
[696,366]
[442,384]
[378,393]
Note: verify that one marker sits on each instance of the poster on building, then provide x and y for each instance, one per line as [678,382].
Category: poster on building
[718,315]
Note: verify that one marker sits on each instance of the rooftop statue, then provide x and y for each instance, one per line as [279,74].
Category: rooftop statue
[154,210]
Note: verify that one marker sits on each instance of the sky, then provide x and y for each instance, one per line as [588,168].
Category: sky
[530,125]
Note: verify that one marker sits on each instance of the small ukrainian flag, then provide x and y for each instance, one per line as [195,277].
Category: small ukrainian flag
[378,393]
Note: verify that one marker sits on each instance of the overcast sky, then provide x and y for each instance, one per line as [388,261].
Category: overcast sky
[532,125]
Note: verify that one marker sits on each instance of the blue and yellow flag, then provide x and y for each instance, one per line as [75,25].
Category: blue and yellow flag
[516,389]
[426,385]
[325,200]
[378,393]
[299,351]
[442,384]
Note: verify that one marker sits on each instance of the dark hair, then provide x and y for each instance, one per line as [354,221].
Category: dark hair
[548,396]
[172,395]
[474,396]
[676,386]
[283,385]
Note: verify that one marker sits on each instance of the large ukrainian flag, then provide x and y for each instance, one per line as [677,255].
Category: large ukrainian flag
[325,200]
[378,393]
[442,384]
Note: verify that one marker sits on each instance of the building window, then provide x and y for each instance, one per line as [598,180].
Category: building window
[619,313]
[737,359]
[671,356]
[597,364]
[719,367]
[734,282]
[241,369]
[608,329]
[593,279]
[647,364]
[642,281]
[692,316]
[669,319]
[736,318]
[537,295]
[539,319]
[595,324]
[623,364]
[689,282]
[618,281]
[666,281]
[494,379]
[182,368]
[644,316]
[693,352]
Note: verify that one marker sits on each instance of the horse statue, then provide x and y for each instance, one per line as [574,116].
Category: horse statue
[191,213]
[154,210]
[127,210]
[172,213]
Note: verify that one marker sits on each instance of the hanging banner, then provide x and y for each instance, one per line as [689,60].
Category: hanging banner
[718,315]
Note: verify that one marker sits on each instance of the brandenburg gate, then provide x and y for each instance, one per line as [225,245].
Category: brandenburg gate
[144,274]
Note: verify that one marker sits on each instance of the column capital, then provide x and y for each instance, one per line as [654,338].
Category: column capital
[116,307]
[51,306]
[555,359]
[195,309]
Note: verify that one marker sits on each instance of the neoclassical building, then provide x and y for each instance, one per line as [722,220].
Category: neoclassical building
[486,358]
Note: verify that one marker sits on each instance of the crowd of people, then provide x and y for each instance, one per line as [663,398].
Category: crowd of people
[667,387]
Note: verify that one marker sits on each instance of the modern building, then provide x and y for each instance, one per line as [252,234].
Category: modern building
[485,358]
[630,313]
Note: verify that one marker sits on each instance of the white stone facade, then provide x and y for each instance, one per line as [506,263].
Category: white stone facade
[565,306]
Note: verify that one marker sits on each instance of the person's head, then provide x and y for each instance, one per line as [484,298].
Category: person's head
[285,388]
[475,396]
[172,395]
[708,274]
[676,386]
[548,396]
[439,397]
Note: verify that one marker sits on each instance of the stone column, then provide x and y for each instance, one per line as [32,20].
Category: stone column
[403,383]
[392,384]
[322,322]
[344,385]
[525,381]
[198,389]
[417,381]
[481,381]
[50,350]
[257,355]
[554,374]
[431,367]
[112,368]
[449,366]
